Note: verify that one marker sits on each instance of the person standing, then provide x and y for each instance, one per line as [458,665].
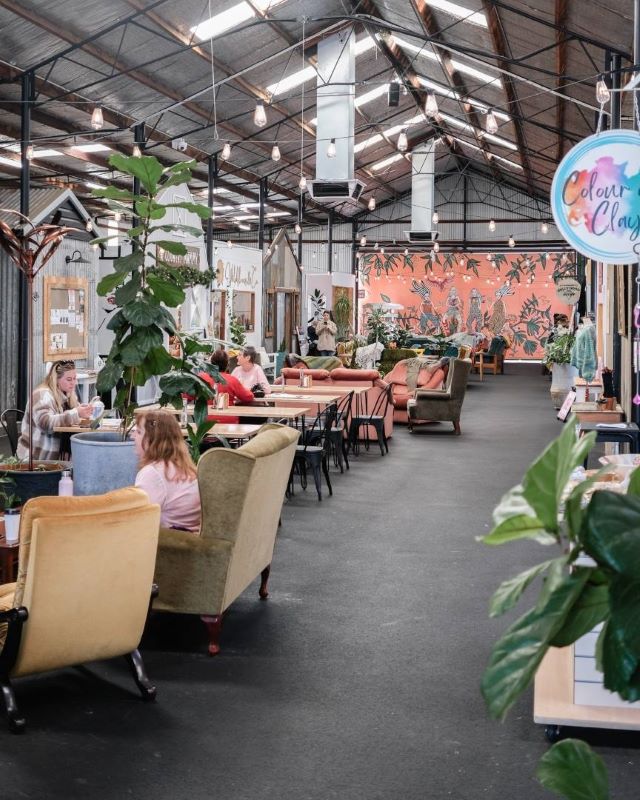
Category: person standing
[326,329]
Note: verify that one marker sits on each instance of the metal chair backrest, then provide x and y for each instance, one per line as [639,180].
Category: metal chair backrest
[10,420]
[382,403]
[324,421]
[344,408]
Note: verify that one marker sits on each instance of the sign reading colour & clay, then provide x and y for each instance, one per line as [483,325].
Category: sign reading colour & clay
[595,196]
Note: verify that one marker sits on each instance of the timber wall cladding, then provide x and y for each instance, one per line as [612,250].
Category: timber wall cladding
[509,295]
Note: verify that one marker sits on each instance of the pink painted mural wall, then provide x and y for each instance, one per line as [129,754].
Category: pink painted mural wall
[507,295]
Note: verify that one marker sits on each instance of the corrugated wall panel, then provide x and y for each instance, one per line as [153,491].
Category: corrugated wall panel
[9,300]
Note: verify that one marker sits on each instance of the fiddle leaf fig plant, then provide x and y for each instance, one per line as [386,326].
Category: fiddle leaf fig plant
[576,593]
[145,285]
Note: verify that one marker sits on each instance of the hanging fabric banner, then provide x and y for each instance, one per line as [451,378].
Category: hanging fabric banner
[595,196]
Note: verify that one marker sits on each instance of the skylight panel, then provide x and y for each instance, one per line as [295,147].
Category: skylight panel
[93,185]
[44,152]
[491,137]
[94,147]
[458,123]
[377,137]
[231,18]
[460,12]
[491,156]
[387,162]
[367,97]
[424,51]
[452,95]
[10,161]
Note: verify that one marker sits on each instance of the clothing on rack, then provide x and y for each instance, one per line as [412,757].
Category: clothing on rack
[583,353]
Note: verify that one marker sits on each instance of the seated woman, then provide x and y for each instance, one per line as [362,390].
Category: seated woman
[167,473]
[249,372]
[238,394]
[54,404]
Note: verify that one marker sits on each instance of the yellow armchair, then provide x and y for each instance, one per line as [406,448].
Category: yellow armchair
[84,583]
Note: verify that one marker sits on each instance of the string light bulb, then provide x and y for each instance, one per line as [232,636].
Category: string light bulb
[406,251]
[88,226]
[375,246]
[94,246]
[297,228]
[491,123]
[436,247]
[259,115]
[226,151]
[544,228]
[302,183]
[331,149]
[29,152]
[462,262]
[492,225]
[97,120]
[403,142]
[435,218]
[363,241]
[512,241]
[372,204]
[229,244]
[382,251]
[275,153]
[431,106]
[117,216]
[603,95]
[136,152]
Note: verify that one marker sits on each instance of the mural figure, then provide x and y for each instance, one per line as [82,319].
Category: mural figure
[453,314]
[475,315]
[429,318]
[499,312]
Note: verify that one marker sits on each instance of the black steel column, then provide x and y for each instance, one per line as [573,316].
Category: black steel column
[300,218]
[212,177]
[23,298]
[263,201]
[614,65]
[354,269]
[465,199]
[635,410]
[138,138]
[330,241]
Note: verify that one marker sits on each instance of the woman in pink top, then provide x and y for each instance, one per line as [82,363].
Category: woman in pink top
[167,473]
[249,372]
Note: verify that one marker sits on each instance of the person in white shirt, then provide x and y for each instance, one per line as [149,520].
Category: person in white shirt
[249,372]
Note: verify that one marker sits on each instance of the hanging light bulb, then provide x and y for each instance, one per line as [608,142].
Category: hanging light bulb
[136,152]
[117,216]
[331,149]
[297,228]
[382,251]
[97,120]
[88,226]
[603,95]
[302,183]
[226,151]
[462,262]
[436,247]
[544,228]
[490,256]
[375,246]
[512,242]
[492,225]
[94,246]
[435,218]
[29,152]
[406,251]
[259,115]
[275,153]
[372,204]
[229,244]
[431,106]
[363,241]
[491,123]
[403,142]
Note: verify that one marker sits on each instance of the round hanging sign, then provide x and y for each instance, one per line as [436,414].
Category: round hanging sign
[568,290]
[595,196]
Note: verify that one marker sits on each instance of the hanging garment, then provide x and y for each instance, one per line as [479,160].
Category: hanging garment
[583,352]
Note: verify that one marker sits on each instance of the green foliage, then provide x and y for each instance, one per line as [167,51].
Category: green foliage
[573,598]
[559,350]
[7,497]
[377,329]
[145,287]
[342,315]
[237,332]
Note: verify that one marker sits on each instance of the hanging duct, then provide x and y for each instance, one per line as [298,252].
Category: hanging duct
[422,193]
[336,117]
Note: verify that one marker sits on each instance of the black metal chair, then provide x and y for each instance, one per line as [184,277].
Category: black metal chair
[10,420]
[374,420]
[315,455]
[337,433]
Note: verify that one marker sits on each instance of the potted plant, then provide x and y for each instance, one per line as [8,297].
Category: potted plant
[8,497]
[30,247]
[557,357]
[144,288]
[377,328]
[576,594]
[342,310]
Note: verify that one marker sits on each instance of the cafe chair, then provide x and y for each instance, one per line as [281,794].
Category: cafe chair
[441,405]
[491,360]
[84,584]
[315,451]
[10,420]
[374,421]
[241,494]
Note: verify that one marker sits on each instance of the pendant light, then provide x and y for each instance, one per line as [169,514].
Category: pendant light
[436,247]
[259,115]
[492,225]
[302,184]
[403,143]
[603,95]
[406,251]
[226,151]
[88,226]
[544,228]
[229,244]
[136,152]
[97,120]
[372,204]
[491,123]
[375,246]
[29,152]
[363,241]
[117,216]
[297,228]
[331,149]
[435,218]
[382,251]
[275,153]
[431,106]
[512,241]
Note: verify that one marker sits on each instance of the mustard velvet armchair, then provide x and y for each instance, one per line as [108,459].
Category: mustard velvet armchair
[441,405]
[83,589]
[241,493]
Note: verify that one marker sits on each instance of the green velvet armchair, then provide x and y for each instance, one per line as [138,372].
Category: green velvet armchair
[441,405]
[241,493]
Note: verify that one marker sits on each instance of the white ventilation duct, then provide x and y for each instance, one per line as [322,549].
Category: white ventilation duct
[422,192]
[336,119]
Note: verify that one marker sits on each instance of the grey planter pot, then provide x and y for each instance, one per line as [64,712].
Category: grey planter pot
[37,483]
[102,462]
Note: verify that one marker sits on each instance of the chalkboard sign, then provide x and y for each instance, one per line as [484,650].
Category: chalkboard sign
[65,318]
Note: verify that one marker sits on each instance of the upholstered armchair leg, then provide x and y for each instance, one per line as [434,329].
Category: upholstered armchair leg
[456,427]
[214,628]
[263,591]
[17,723]
[136,665]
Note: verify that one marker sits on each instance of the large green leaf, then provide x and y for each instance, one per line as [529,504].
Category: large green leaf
[159,361]
[571,769]
[573,511]
[117,322]
[113,193]
[147,168]
[108,376]
[142,313]
[176,248]
[176,227]
[634,483]
[135,347]
[520,527]
[617,661]
[510,591]
[204,212]
[129,262]
[177,383]
[128,292]
[611,532]
[180,167]
[146,208]
[512,504]
[589,610]
[167,293]
[109,283]
[518,653]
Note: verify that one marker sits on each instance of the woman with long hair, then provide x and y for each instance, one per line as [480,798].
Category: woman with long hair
[166,472]
[249,372]
[54,403]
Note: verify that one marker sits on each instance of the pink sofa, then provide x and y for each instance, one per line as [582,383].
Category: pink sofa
[429,376]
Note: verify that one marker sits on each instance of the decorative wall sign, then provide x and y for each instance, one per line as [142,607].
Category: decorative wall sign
[568,290]
[595,196]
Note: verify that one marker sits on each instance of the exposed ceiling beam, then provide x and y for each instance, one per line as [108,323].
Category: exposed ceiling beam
[561,7]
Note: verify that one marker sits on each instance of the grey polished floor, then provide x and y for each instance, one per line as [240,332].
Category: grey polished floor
[358,679]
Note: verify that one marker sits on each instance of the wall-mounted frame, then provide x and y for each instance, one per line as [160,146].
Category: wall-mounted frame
[65,318]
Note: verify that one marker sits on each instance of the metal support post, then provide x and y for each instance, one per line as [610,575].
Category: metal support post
[24,297]
[330,241]
[212,177]
[614,64]
[300,218]
[263,202]
[138,138]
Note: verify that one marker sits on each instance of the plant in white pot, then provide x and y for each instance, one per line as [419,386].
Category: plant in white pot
[558,358]
[144,288]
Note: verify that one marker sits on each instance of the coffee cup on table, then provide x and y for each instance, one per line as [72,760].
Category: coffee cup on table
[11,525]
